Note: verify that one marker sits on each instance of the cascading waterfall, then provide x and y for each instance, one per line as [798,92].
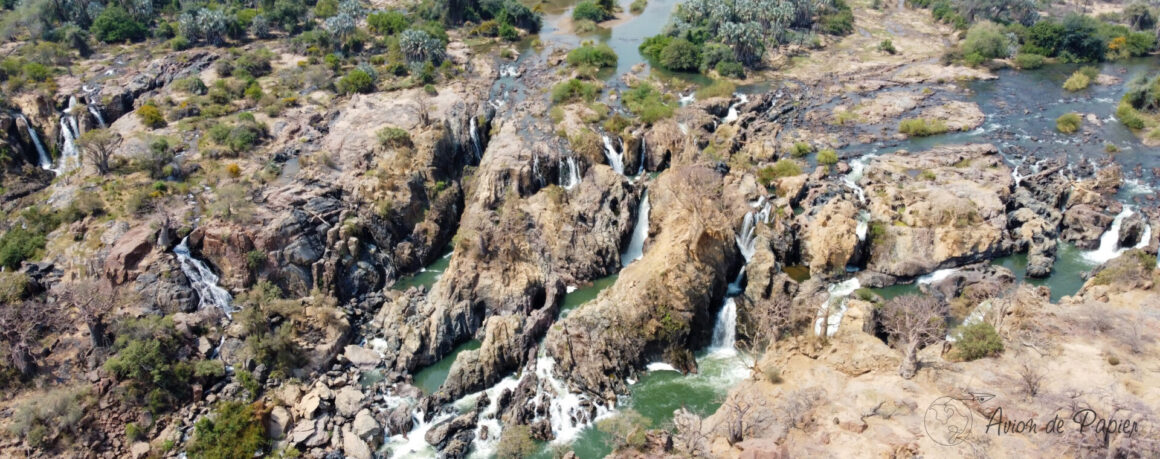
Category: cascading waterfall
[203,280]
[615,158]
[96,112]
[746,240]
[45,161]
[863,224]
[936,276]
[732,114]
[1110,241]
[725,329]
[687,99]
[643,155]
[857,170]
[831,311]
[635,248]
[566,411]
[68,151]
[569,173]
[475,139]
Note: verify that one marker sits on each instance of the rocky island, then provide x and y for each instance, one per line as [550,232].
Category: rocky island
[582,229]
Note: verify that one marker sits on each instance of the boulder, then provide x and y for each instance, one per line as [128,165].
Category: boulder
[349,401]
[127,252]
[354,446]
[362,357]
[366,427]
[278,423]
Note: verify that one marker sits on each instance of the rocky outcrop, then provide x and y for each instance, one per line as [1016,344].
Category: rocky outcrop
[663,304]
[830,239]
[938,208]
[119,96]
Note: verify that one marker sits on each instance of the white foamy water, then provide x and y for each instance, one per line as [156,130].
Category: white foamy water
[660,366]
[203,280]
[635,249]
[615,158]
[1109,247]
[831,311]
[732,114]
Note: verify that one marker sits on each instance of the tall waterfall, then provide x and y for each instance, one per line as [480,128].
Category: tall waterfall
[69,130]
[615,158]
[746,239]
[1110,241]
[203,280]
[45,161]
[725,329]
[635,248]
[732,114]
[475,145]
[569,173]
[643,155]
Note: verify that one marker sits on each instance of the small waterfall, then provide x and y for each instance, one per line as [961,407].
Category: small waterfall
[1016,175]
[732,115]
[615,158]
[725,329]
[488,419]
[635,248]
[686,99]
[45,161]
[857,170]
[569,173]
[68,151]
[831,311]
[203,280]
[415,442]
[475,139]
[1110,241]
[936,276]
[766,207]
[96,112]
[566,411]
[863,224]
[643,155]
[746,240]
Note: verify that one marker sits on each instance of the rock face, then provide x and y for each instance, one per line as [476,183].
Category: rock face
[662,303]
[831,239]
[945,206]
[518,244]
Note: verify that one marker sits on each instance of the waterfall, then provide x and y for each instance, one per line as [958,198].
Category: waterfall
[857,170]
[415,442]
[569,173]
[69,151]
[725,329]
[566,411]
[635,248]
[1016,175]
[936,276]
[1110,241]
[45,161]
[615,158]
[489,419]
[97,114]
[732,115]
[475,140]
[203,280]
[686,99]
[643,155]
[863,224]
[746,241]
[831,311]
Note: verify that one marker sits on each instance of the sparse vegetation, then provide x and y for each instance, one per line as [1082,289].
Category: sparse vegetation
[922,127]
[1068,123]
[976,341]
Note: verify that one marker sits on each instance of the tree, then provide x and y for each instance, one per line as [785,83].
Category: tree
[21,326]
[94,301]
[116,25]
[681,54]
[98,146]
[913,321]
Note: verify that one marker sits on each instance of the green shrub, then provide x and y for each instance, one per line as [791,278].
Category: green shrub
[1029,61]
[357,81]
[147,359]
[590,55]
[116,25]
[19,244]
[1068,123]
[782,168]
[731,69]
[652,46]
[151,116]
[681,54]
[387,22]
[921,127]
[1077,82]
[234,430]
[800,149]
[976,341]
[637,6]
[575,90]
[391,136]
[986,39]
[647,103]
[839,21]
[589,10]
[1129,116]
[828,157]
[887,47]
[509,33]
[718,88]
[49,416]
[1133,266]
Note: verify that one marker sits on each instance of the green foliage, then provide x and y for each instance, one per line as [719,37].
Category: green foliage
[1029,61]
[589,10]
[1143,93]
[509,33]
[732,69]
[1078,81]
[116,25]
[1068,123]
[977,340]
[681,54]
[986,39]
[149,360]
[800,149]
[839,21]
[270,323]
[827,157]
[13,286]
[393,137]
[652,46]
[647,103]
[356,81]
[19,244]
[637,6]
[387,22]
[592,55]
[1129,116]
[782,168]
[151,116]
[627,430]
[516,442]
[234,430]
[887,47]
[719,88]
[575,90]
[921,127]
[1134,266]
[255,259]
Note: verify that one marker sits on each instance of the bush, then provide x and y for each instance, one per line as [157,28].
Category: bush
[887,47]
[590,55]
[116,25]
[638,6]
[509,33]
[235,430]
[17,245]
[387,22]
[782,168]
[1077,82]
[800,149]
[840,21]
[1129,116]
[357,81]
[151,116]
[589,10]
[1029,61]
[719,88]
[731,69]
[1068,123]
[681,54]
[921,127]
[393,137]
[976,341]
[652,46]
[647,103]
[49,416]
[987,39]
[148,359]
[828,157]
[575,90]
